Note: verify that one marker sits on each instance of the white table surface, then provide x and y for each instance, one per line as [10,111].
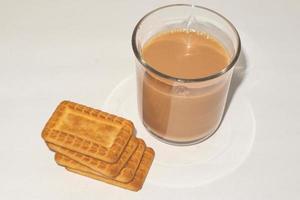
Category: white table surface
[80,50]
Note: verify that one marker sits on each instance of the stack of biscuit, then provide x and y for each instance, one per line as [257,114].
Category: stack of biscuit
[98,145]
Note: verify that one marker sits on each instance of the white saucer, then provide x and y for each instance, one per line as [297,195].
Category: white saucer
[191,166]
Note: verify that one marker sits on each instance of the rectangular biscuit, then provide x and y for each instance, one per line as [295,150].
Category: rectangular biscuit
[126,174]
[134,185]
[133,150]
[92,132]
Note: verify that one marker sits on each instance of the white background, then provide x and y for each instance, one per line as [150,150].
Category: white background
[80,50]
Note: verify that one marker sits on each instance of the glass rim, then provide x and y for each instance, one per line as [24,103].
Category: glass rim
[166,76]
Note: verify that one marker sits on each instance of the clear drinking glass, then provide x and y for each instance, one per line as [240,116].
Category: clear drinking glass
[176,110]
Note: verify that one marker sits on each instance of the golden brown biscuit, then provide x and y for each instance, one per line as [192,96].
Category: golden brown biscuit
[89,131]
[133,150]
[134,185]
[126,174]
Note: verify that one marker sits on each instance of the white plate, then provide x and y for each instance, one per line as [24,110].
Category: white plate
[191,166]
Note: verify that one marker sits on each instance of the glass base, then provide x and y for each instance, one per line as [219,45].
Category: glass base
[178,143]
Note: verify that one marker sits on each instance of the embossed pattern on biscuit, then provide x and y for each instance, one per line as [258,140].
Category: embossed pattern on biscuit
[89,131]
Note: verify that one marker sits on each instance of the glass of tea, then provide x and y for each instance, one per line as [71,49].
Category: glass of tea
[185,56]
